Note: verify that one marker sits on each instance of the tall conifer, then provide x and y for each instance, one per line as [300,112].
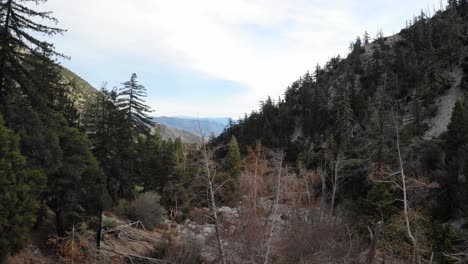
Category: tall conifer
[19,194]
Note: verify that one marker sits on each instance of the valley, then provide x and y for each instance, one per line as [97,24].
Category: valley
[363,159]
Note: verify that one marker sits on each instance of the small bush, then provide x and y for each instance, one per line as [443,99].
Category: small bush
[108,223]
[147,209]
[395,241]
[121,209]
[442,240]
[186,251]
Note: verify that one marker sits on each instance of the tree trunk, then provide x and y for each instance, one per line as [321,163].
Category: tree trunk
[3,51]
[211,197]
[99,231]
[405,199]
[373,246]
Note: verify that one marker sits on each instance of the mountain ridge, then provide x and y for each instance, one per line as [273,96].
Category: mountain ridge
[199,126]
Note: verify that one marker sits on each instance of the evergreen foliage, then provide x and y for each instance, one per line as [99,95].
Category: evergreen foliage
[233,160]
[19,49]
[38,108]
[76,183]
[130,101]
[454,183]
[152,171]
[20,188]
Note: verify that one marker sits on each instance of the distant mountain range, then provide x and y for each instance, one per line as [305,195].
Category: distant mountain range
[208,126]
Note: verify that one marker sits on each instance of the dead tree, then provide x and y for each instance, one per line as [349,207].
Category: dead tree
[210,176]
[309,178]
[409,233]
[253,182]
[337,178]
[278,163]
[323,180]
[403,183]
[374,240]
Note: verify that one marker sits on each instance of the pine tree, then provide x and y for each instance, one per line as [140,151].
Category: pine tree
[380,125]
[17,43]
[457,130]
[65,105]
[344,120]
[170,161]
[151,158]
[38,108]
[456,140]
[19,194]
[103,122]
[136,123]
[229,179]
[29,82]
[78,181]
[171,173]
[130,101]
[366,38]
[179,150]
[233,161]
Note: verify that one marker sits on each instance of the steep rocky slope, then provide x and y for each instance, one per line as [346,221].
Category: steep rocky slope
[80,90]
[445,104]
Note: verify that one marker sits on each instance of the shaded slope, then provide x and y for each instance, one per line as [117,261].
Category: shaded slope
[168,132]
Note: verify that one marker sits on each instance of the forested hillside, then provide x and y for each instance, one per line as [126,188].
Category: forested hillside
[364,160]
[172,133]
[394,107]
[67,151]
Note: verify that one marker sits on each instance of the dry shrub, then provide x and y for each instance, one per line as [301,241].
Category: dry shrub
[75,247]
[108,223]
[304,242]
[199,215]
[249,238]
[253,177]
[121,209]
[147,209]
[185,251]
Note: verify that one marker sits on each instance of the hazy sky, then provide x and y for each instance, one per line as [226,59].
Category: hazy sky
[215,57]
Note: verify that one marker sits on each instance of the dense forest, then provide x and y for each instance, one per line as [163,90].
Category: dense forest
[355,164]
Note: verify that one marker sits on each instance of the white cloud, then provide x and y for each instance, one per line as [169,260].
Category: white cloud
[211,37]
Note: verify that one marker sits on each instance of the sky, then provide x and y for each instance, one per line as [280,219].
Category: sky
[215,58]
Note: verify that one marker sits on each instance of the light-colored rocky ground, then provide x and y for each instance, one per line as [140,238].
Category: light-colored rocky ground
[445,104]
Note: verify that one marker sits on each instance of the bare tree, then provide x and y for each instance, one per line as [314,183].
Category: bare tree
[252,226]
[403,183]
[323,180]
[409,233]
[252,179]
[309,179]
[278,163]
[336,178]
[210,175]
[374,240]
